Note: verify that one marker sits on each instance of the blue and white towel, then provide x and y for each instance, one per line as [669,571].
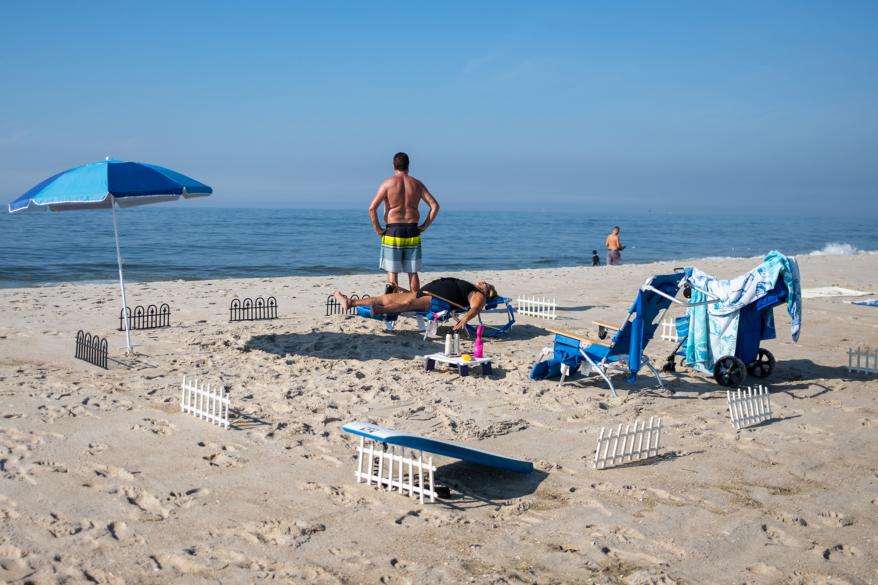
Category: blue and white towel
[866,303]
[713,328]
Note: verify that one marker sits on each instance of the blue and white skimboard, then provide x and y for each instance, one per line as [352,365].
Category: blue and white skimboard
[393,437]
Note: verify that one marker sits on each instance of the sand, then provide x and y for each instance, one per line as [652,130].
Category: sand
[103,480]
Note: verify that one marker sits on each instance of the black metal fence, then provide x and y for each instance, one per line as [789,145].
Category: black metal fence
[152,317]
[253,310]
[333,307]
[91,348]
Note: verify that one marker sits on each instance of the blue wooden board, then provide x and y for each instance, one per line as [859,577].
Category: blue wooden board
[393,437]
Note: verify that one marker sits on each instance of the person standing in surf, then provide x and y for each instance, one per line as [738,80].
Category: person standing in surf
[614,248]
[401,237]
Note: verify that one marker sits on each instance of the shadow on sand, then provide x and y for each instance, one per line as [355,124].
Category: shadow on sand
[337,345]
[579,308]
[475,486]
[789,376]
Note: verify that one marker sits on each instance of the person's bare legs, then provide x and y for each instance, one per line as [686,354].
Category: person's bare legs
[414,282]
[393,278]
[387,303]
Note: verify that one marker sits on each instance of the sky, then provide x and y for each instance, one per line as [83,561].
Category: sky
[718,106]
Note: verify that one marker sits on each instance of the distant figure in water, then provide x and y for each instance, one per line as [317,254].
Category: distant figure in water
[595,259]
[614,248]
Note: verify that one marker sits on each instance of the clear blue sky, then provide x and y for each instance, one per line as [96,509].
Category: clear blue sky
[661,104]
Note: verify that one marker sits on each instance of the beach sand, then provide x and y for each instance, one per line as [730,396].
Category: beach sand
[103,480]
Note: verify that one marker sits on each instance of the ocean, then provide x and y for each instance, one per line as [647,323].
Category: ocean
[188,241]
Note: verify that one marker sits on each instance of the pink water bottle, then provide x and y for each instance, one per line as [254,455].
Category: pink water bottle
[478,346]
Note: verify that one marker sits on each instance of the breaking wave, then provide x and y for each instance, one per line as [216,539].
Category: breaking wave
[839,249]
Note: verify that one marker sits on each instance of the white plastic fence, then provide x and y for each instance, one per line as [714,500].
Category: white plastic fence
[750,407]
[863,360]
[386,466]
[537,307]
[669,331]
[205,403]
[617,447]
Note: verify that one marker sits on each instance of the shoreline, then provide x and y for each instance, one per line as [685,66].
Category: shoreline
[675,262]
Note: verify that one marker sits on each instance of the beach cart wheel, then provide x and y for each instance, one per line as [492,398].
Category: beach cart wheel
[764,364]
[729,371]
[429,364]
[602,332]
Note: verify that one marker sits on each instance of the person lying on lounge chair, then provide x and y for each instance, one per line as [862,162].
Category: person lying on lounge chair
[454,293]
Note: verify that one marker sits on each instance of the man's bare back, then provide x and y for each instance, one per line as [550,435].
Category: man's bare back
[400,236]
[401,195]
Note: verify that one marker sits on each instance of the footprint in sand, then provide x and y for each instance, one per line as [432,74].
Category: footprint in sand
[221,459]
[188,498]
[835,519]
[776,535]
[53,466]
[155,426]
[95,448]
[60,526]
[7,508]
[143,500]
[163,562]
[838,551]
[112,472]
[13,565]
[119,530]
[278,532]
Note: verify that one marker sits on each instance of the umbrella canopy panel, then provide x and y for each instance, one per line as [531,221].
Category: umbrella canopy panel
[95,185]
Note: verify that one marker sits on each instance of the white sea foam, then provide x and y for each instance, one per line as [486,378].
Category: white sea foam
[838,249]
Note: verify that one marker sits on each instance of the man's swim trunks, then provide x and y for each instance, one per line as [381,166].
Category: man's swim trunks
[401,248]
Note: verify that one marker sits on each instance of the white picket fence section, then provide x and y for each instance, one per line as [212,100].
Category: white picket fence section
[617,447]
[669,331]
[863,360]
[750,407]
[537,307]
[204,402]
[388,467]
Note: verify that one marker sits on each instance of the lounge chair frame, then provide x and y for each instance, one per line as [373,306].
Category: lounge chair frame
[611,362]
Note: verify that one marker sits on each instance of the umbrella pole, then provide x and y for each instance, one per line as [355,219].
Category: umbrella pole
[129,348]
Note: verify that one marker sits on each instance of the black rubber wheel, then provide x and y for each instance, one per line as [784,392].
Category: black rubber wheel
[602,332]
[729,371]
[763,366]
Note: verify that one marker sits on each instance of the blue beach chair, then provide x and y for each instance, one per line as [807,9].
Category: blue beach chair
[624,352]
[442,311]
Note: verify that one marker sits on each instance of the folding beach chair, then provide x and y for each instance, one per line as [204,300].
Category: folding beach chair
[624,352]
[442,310]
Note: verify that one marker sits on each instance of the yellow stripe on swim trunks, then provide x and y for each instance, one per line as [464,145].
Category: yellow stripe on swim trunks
[395,242]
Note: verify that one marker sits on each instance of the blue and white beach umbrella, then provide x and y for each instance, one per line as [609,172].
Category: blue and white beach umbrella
[106,185]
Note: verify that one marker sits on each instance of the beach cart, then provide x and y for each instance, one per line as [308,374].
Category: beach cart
[723,337]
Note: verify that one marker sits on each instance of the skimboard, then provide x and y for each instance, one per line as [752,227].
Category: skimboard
[477,456]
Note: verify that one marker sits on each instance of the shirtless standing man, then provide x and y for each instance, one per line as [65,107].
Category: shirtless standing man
[614,248]
[401,239]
